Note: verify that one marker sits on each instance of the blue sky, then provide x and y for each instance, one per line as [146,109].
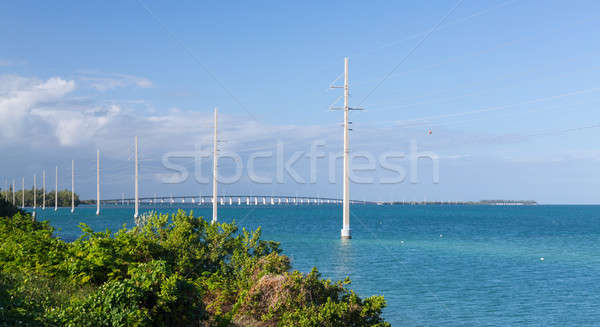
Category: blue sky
[509,90]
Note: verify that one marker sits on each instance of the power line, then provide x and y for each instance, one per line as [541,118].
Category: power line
[458,97]
[449,24]
[506,114]
[496,108]
[411,51]
[189,53]
[562,131]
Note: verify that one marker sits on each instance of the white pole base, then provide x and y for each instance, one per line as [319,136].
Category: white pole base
[72,210]
[98,213]
[346,233]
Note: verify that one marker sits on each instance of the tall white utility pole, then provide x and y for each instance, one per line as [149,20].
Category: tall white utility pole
[346,214]
[56,192]
[215,171]
[98,182]
[23,194]
[346,202]
[34,192]
[72,186]
[136,213]
[44,189]
[34,197]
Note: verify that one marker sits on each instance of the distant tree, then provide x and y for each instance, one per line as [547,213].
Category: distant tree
[64,198]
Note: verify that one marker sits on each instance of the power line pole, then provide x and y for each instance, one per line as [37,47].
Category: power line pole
[346,232]
[56,192]
[98,182]
[34,192]
[13,192]
[34,196]
[72,186]
[136,213]
[346,210]
[23,194]
[44,189]
[215,171]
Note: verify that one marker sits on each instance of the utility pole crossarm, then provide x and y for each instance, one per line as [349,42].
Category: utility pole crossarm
[342,108]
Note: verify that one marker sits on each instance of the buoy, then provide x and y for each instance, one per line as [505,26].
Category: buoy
[542,259]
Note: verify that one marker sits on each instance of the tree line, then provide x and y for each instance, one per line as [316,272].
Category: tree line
[64,197]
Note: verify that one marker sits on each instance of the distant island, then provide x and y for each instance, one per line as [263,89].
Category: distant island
[481,202]
[508,202]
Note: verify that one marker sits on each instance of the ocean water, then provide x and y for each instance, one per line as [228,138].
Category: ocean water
[435,265]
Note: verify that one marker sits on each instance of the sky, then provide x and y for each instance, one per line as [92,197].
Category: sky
[499,98]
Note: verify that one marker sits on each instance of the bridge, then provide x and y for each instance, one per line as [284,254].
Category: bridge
[232,200]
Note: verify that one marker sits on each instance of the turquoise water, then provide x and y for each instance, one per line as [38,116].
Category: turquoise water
[435,265]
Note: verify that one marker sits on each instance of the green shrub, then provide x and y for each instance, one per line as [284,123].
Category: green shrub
[32,300]
[7,209]
[29,247]
[174,270]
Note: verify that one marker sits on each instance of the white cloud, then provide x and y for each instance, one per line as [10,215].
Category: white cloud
[455,156]
[591,155]
[37,112]
[48,121]
[74,127]
[48,114]
[104,81]
[9,63]
[56,122]
[20,96]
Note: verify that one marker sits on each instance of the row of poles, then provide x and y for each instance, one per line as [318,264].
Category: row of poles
[98,199]
[13,187]
[345,232]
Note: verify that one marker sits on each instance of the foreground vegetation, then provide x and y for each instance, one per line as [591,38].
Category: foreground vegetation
[169,271]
